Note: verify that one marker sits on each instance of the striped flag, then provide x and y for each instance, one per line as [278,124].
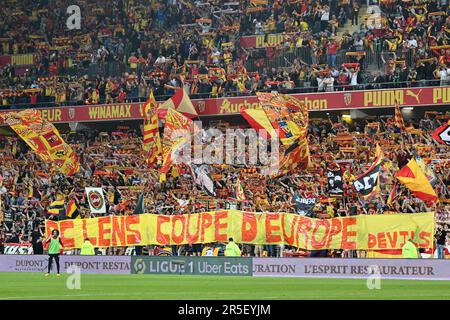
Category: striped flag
[56,207]
[152,140]
[72,211]
[398,117]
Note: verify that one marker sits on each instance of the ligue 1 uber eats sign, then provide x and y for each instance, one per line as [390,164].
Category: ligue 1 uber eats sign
[231,266]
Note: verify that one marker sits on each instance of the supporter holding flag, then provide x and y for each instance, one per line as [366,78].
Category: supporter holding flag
[239,191]
[72,211]
[140,207]
[368,183]
[151,141]
[398,117]
[57,206]
[177,130]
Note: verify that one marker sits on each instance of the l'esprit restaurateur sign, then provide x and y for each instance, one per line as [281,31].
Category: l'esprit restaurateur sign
[375,232]
[410,97]
[417,269]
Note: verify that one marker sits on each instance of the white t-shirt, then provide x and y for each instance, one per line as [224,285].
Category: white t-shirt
[160,60]
[215,57]
[325,16]
[329,82]
[320,84]
[354,78]
[412,43]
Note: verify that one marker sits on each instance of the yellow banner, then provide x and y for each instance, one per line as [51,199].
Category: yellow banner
[374,232]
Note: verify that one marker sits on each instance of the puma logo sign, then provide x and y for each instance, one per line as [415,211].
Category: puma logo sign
[415,96]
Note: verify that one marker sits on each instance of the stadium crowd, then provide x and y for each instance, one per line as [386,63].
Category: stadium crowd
[125,48]
[114,161]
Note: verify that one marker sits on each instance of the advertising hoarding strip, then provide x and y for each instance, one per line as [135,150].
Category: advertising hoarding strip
[338,100]
[414,269]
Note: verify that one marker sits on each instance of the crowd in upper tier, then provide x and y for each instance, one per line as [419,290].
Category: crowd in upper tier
[125,48]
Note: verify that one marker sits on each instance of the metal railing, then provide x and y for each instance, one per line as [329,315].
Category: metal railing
[297,90]
[286,56]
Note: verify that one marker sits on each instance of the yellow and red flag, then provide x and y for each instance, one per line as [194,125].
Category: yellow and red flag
[279,109]
[289,117]
[177,132]
[180,102]
[398,117]
[152,140]
[415,180]
[72,211]
[56,207]
[44,139]
[258,120]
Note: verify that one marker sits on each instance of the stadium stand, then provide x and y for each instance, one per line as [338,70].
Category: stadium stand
[216,48]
